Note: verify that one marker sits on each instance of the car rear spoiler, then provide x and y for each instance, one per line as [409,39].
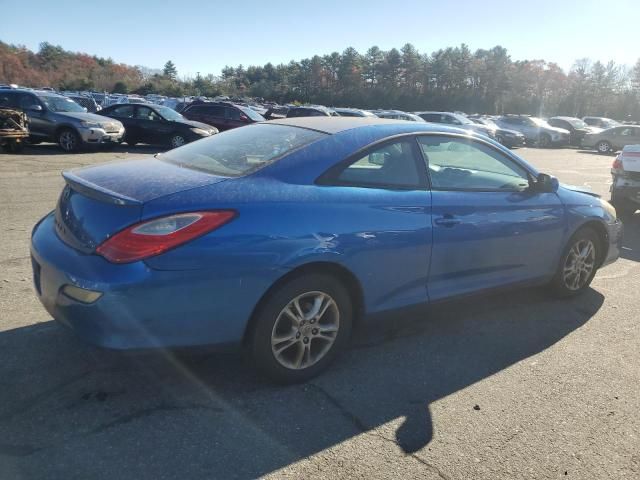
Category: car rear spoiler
[92,190]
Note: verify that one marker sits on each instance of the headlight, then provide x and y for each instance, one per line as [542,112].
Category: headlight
[201,132]
[86,124]
[608,208]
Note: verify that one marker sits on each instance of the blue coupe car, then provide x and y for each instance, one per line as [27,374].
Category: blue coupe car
[282,235]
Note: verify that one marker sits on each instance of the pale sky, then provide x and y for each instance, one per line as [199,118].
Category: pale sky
[205,36]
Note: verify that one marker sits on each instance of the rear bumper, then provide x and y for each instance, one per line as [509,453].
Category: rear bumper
[140,307]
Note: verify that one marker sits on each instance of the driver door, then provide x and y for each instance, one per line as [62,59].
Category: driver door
[489,228]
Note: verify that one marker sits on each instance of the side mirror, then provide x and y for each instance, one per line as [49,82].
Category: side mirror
[35,108]
[546,183]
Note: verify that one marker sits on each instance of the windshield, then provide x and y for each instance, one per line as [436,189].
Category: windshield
[463,120]
[489,123]
[539,122]
[242,150]
[252,114]
[608,123]
[169,114]
[60,104]
[576,123]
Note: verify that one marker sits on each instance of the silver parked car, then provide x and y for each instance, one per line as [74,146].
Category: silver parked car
[612,139]
[398,115]
[536,130]
[55,118]
[456,120]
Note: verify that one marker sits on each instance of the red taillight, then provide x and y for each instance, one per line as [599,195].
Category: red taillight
[617,164]
[153,237]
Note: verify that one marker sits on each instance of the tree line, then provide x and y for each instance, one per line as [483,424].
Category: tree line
[453,78]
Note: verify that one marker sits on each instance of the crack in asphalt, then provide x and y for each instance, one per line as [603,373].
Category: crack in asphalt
[146,412]
[364,428]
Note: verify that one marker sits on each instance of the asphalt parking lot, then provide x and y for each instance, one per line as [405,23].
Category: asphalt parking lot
[515,385]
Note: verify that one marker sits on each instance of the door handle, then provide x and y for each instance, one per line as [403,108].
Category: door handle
[447,220]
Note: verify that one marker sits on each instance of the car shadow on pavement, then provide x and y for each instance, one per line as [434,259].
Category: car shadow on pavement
[631,238]
[69,410]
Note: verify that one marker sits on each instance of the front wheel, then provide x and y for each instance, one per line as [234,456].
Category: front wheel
[578,264]
[68,140]
[301,328]
[177,140]
[544,141]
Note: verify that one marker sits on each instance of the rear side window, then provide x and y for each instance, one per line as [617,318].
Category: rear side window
[241,151]
[213,111]
[393,165]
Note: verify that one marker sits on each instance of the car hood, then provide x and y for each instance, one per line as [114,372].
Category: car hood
[88,117]
[579,189]
[194,124]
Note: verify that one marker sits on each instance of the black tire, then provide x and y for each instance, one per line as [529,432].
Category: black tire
[68,140]
[560,285]
[544,141]
[604,147]
[270,317]
[500,139]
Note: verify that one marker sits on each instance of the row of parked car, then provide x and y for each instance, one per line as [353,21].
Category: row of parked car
[68,121]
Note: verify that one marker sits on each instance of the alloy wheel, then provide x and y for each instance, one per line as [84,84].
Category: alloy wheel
[604,147]
[67,140]
[177,141]
[579,264]
[305,330]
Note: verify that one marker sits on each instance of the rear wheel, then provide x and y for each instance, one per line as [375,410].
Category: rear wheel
[301,328]
[68,140]
[500,139]
[604,147]
[578,264]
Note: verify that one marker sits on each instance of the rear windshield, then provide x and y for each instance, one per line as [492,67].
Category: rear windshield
[242,150]
[252,114]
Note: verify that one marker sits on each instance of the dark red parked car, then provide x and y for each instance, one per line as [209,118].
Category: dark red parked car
[222,115]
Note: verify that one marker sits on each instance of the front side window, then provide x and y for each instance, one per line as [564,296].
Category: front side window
[145,113]
[240,151]
[393,165]
[461,164]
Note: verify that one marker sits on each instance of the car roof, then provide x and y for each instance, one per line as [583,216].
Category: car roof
[332,125]
[41,93]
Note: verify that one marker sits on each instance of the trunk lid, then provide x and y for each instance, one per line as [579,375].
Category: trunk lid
[101,200]
[630,158]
